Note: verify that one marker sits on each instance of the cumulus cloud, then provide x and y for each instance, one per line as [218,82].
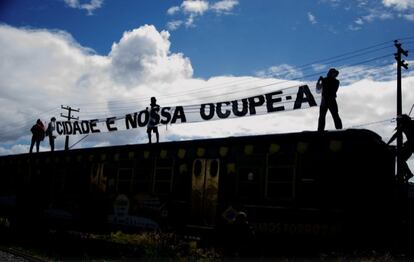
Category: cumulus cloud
[42,70]
[89,7]
[143,55]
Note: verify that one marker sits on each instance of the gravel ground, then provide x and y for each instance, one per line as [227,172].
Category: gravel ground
[10,257]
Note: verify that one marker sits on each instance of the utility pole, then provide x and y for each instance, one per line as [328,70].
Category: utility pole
[400,63]
[69,117]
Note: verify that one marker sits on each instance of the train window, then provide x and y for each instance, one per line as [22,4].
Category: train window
[197,167]
[59,180]
[124,180]
[280,182]
[214,168]
[248,182]
[280,174]
[163,176]
[142,180]
[280,190]
[7,183]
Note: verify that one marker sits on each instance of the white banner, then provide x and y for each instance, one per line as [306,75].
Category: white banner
[292,98]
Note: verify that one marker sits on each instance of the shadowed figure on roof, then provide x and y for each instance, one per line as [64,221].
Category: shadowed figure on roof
[405,126]
[329,86]
[38,134]
[154,119]
[50,133]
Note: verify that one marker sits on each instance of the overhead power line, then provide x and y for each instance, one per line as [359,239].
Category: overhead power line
[236,83]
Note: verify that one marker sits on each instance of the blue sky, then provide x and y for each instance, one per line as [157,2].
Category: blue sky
[249,37]
[108,57]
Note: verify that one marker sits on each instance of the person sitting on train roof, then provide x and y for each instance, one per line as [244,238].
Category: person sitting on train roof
[405,126]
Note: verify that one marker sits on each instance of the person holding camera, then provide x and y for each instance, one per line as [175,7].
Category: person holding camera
[329,86]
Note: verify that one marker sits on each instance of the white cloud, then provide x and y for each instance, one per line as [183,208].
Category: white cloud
[224,5]
[190,21]
[319,67]
[375,14]
[312,18]
[174,25]
[359,21]
[409,17]
[190,9]
[89,7]
[173,10]
[143,55]
[15,149]
[284,71]
[197,7]
[354,27]
[42,70]
[399,4]
[363,12]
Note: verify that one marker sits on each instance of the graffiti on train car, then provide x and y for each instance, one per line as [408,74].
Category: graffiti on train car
[121,215]
[97,177]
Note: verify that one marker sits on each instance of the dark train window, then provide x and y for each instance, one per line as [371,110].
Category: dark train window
[124,180]
[280,174]
[163,176]
[162,187]
[59,180]
[280,182]
[214,167]
[142,180]
[7,182]
[248,182]
[198,167]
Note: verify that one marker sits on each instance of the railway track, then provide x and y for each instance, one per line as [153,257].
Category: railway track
[14,255]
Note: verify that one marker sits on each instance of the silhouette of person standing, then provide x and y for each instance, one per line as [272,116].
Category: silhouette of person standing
[50,133]
[154,119]
[405,126]
[330,86]
[38,134]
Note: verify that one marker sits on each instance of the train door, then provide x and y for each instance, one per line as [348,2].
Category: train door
[204,191]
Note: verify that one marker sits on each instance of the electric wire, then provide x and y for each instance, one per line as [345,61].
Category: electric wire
[271,84]
[338,58]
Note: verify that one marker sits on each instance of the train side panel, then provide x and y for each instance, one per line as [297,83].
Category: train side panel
[305,183]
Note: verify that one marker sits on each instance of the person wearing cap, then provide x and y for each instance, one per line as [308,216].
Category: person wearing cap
[154,119]
[405,126]
[50,133]
[330,86]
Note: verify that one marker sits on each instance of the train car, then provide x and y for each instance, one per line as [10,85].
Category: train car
[308,183]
